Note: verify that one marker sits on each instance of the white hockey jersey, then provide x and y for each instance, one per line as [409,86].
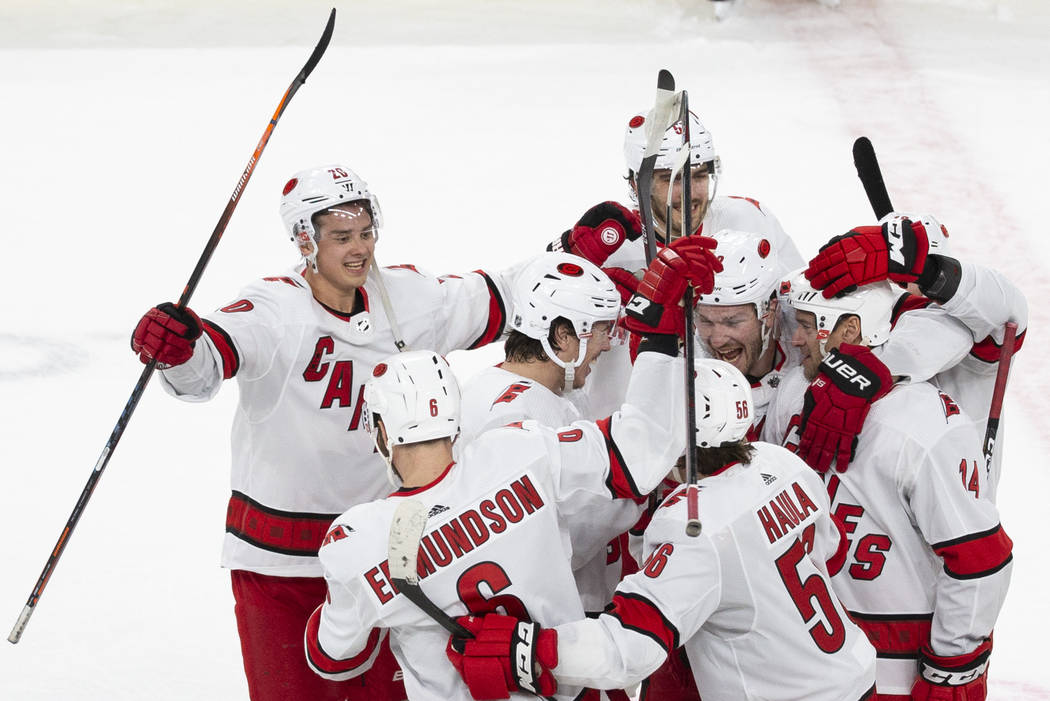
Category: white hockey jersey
[300,453]
[496,397]
[928,562]
[606,383]
[498,536]
[749,599]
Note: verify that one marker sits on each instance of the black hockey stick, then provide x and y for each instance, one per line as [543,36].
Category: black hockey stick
[992,429]
[692,526]
[658,123]
[406,530]
[147,372]
[871,177]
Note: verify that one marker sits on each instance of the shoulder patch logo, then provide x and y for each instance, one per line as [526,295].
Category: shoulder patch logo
[510,394]
[338,532]
[950,407]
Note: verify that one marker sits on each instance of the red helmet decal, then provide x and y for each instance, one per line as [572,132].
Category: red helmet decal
[785,287]
[290,185]
[944,230]
[764,248]
[379,370]
[636,121]
[570,269]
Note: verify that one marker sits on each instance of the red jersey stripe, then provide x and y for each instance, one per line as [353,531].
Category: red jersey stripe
[976,555]
[637,613]
[325,663]
[497,315]
[231,361]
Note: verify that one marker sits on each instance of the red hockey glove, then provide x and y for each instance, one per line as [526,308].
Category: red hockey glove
[600,232]
[167,334]
[625,281]
[851,379]
[655,309]
[959,678]
[505,655]
[896,251]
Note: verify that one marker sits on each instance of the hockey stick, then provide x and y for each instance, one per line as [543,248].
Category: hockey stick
[147,372]
[1007,353]
[871,177]
[692,526]
[406,530]
[656,125]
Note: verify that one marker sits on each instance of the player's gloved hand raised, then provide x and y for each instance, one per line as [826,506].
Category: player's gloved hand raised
[600,232]
[625,281]
[851,378]
[655,309]
[167,334]
[958,678]
[505,655]
[896,251]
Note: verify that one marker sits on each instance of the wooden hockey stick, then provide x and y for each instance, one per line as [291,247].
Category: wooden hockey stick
[995,411]
[406,530]
[871,177]
[147,372]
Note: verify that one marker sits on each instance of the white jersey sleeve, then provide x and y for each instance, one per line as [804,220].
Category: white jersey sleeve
[984,301]
[495,397]
[925,340]
[749,599]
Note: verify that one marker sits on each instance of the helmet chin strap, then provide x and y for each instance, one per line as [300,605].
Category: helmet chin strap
[388,457]
[570,368]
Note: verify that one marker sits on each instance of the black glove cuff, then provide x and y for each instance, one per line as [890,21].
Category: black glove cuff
[560,244]
[659,343]
[645,310]
[940,278]
[850,375]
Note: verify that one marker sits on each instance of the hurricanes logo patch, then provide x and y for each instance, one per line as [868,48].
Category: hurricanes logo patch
[950,407]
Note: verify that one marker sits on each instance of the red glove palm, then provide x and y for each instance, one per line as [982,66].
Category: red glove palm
[896,251]
[654,309]
[600,232]
[958,678]
[851,379]
[484,661]
[166,333]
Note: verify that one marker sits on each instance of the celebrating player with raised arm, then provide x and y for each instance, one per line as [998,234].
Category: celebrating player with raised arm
[928,563]
[500,531]
[749,599]
[301,345]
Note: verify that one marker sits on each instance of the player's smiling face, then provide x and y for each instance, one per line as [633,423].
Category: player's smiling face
[732,334]
[347,244]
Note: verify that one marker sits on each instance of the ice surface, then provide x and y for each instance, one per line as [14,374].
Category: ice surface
[486,129]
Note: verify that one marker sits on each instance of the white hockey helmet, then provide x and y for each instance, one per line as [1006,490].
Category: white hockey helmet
[416,395]
[936,233]
[702,151]
[750,274]
[724,406]
[872,303]
[309,192]
[556,285]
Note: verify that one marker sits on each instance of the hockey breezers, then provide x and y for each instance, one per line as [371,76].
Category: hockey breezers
[147,372]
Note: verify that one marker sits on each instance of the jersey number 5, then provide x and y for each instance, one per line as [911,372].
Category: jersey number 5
[829,634]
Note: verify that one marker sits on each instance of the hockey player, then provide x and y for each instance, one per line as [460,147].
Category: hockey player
[301,345]
[504,505]
[981,298]
[564,314]
[928,563]
[610,235]
[565,310]
[749,599]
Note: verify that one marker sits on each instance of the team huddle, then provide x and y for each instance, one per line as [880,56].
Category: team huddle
[393,535]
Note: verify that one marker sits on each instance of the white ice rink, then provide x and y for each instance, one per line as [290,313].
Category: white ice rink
[485,128]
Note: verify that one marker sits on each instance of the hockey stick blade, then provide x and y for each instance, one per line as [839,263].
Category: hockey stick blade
[871,177]
[406,530]
[147,372]
[654,135]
